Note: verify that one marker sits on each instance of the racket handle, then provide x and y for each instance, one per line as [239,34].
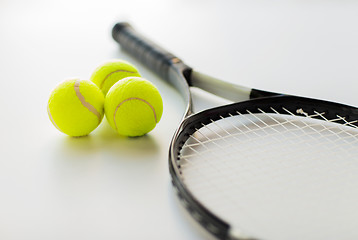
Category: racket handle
[150,54]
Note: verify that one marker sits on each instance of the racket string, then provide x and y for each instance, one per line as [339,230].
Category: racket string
[264,159]
[323,127]
[282,124]
[208,183]
[273,126]
[186,157]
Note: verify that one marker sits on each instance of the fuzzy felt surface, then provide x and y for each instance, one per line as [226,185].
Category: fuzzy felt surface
[133,106]
[76,107]
[109,73]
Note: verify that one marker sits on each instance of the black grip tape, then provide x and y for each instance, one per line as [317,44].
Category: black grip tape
[150,54]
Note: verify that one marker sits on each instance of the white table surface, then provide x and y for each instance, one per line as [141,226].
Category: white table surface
[107,187]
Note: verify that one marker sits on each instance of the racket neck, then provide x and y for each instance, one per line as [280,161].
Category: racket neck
[179,77]
[232,92]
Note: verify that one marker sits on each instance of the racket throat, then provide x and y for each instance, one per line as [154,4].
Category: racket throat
[219,88]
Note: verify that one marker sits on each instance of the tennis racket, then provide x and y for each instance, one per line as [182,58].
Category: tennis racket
[269,166]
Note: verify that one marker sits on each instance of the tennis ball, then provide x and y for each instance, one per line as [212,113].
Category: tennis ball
[133,106]
[109,73]
[76,107]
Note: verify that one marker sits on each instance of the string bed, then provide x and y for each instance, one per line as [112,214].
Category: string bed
[277,176]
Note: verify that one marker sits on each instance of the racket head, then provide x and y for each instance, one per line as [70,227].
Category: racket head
[308,114]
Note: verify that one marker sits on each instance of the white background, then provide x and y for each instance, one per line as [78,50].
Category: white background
[108,187]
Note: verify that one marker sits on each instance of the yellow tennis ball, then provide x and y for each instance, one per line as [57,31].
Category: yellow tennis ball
[133,106]
[109,73]
[76,107]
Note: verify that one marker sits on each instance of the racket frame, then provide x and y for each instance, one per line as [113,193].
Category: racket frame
[182,77]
